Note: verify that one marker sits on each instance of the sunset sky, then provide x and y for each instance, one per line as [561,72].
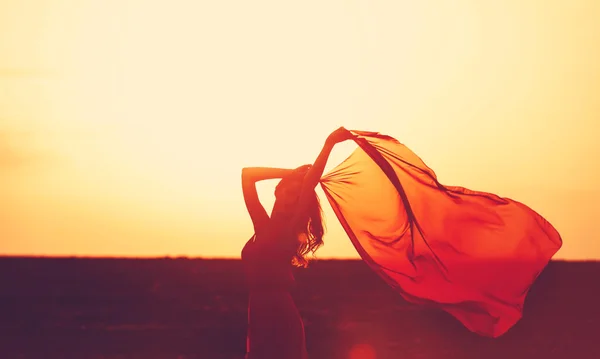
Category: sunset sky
[124,124]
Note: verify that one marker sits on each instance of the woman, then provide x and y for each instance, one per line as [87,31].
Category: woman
[281,241]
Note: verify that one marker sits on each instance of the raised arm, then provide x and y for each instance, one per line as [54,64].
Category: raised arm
[251,175]
[314,174]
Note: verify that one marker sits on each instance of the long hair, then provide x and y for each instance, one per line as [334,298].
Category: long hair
[310,232]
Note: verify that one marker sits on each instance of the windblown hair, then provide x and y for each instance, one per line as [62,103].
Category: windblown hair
[310,232]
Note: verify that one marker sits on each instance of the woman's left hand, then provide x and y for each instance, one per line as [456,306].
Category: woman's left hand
[339,135]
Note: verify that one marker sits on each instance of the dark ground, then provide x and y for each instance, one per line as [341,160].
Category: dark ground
[184,309]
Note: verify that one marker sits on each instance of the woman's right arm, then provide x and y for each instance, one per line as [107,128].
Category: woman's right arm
[256,174]
[251,175]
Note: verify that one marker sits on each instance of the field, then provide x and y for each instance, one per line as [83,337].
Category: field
[191,308]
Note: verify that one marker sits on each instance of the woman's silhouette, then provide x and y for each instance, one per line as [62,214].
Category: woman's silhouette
[281,241]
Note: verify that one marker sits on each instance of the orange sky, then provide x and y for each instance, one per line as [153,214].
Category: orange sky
[124,124]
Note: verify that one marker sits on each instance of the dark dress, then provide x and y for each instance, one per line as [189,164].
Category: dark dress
[275,328]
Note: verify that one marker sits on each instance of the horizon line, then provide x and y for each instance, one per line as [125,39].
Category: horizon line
[175,257]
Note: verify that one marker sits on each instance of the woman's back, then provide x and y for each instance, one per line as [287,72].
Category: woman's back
[267,266]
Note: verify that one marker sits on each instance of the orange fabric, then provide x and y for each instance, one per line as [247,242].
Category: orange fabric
[472,254]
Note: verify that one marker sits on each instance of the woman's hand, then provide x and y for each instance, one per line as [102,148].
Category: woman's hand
[339,135]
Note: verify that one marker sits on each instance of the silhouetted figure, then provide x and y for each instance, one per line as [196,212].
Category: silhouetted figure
[281,241]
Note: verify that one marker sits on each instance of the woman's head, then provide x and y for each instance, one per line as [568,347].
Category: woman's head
[287,193]
[309,228]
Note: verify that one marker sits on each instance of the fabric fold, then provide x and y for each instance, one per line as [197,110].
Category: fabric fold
[473,254]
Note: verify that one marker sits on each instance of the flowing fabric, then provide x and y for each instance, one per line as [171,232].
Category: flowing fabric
[472,254]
